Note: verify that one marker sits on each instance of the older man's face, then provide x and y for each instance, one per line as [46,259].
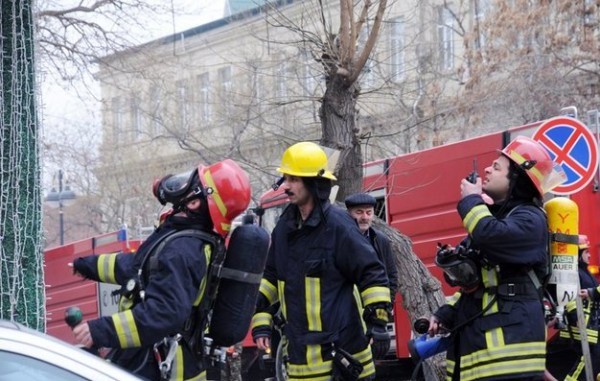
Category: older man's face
[363,214]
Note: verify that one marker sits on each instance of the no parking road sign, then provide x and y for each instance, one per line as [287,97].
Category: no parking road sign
[573,147]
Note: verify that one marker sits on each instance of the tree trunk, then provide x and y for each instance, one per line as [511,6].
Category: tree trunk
[338,123]
[421,292]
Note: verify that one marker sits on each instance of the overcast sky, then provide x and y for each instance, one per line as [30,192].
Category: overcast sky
[64,105]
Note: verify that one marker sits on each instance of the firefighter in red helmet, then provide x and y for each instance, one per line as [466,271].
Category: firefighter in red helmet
[496,320]
[163,283]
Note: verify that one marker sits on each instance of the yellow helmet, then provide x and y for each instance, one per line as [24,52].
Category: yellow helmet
[305,159]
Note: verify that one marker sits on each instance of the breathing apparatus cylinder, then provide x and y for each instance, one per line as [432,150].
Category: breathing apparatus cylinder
[239,282]
[563,224]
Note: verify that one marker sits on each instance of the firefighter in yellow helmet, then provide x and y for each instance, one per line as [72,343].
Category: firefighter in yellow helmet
[316,259]
[496,319]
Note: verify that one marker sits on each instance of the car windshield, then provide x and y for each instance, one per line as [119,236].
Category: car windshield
[17,367]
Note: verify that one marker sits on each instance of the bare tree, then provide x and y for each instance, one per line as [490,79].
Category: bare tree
[546,60]
[73,150]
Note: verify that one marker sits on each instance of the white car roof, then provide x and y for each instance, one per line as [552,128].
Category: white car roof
[18,339]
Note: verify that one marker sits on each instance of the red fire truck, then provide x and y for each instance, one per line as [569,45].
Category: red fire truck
[417,195]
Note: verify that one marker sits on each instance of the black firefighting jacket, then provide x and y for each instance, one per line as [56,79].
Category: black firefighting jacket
[171,293]
[320,271]
[500,328]
[382,246]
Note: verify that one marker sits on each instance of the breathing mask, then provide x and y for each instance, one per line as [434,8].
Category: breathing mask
[176,189]
[459,266]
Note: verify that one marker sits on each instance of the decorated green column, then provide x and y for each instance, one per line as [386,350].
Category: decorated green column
[22,292]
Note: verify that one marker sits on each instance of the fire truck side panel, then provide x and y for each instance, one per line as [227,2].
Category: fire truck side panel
[422,192]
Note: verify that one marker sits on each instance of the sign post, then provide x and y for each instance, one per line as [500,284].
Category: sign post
[572,146]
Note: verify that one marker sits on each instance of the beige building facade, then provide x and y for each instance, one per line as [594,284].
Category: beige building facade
[247,86]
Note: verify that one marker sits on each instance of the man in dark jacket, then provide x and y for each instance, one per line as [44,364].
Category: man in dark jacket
[163,283]
[497,319]
[361,207]
[316,261]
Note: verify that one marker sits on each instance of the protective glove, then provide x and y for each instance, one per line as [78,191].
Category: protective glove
[380,345]
[83,269]
[377,316]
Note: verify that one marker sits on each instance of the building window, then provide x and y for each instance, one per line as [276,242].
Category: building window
[117,117]
[480,9]
[308,76]
[183,105]
[256,90]
[204,97]
[155,101]
[368,75]
[590,13]
[136,118]
[280,80]
[397,49]
[445,38]
[226,85]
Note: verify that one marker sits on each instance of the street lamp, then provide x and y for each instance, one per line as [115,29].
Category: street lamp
[59,199]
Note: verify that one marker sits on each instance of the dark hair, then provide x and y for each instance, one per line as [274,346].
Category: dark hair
[521,186]
[319,187]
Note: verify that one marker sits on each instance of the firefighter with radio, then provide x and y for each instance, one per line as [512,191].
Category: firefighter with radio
[590,293]
[496,319]
[155,334]
[316,260]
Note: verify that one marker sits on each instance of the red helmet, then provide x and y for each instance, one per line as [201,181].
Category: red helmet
[227,189]
[584,242]
[537,163]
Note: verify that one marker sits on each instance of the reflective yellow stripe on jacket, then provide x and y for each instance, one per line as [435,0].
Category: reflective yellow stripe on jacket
[490,279]
[376,294]
[261,319]
[572,331]
[474,216]
[503,359]
[177,367]
[269,290]
[312,290]
[126,328]
[106,268]
[317,369]
[202,289]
